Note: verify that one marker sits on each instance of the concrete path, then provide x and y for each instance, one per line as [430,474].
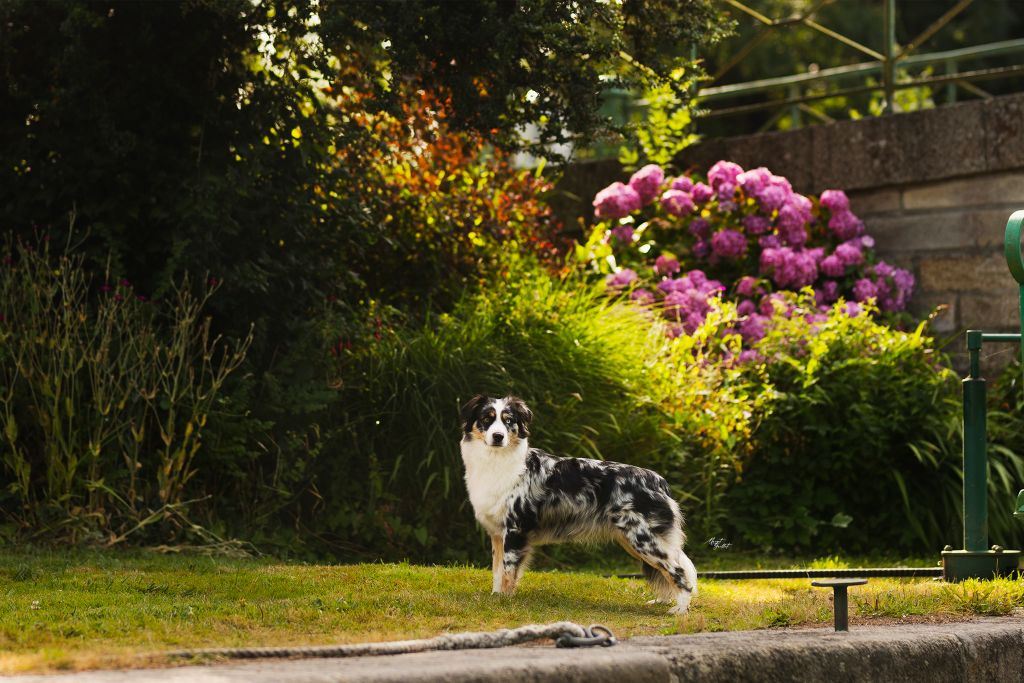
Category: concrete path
[986,650]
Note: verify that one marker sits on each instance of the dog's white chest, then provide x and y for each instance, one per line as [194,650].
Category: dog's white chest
[492,474]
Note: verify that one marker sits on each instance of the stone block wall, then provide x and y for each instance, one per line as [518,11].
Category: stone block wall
[934,188]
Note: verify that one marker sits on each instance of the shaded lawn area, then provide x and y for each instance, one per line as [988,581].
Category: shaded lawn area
[82,609]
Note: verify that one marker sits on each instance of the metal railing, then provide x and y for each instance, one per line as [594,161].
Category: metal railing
[885,63]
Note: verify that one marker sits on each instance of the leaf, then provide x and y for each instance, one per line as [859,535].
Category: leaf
[841,520]
[11,429]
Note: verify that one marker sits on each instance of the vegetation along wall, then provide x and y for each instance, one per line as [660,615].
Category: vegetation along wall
[934,189]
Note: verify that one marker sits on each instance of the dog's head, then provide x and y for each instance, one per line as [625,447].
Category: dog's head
[498,422]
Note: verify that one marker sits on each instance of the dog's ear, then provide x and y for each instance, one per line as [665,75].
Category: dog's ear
[471,410]
[523,415]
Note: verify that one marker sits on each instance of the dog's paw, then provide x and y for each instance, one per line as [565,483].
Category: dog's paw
[682,603]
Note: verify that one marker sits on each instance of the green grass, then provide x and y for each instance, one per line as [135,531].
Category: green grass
[82,609]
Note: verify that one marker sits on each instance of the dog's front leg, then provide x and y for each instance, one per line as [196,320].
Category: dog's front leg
[497,561]
[516,551]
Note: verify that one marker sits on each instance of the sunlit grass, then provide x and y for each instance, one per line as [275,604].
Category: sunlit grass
[87,610]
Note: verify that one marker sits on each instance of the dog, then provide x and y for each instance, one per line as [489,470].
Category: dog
[524,497]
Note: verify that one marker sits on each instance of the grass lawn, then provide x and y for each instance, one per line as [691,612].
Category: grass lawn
[81,609]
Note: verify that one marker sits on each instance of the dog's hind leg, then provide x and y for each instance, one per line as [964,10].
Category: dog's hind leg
[666,567]
[662,588]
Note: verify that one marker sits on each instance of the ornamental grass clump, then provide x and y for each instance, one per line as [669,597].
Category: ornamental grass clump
[745,235]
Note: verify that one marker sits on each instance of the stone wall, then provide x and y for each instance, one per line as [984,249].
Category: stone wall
[934,188]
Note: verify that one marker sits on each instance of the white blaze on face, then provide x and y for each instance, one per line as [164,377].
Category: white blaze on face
[498,426]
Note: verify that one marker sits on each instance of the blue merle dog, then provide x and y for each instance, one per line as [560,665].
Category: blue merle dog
[524,497]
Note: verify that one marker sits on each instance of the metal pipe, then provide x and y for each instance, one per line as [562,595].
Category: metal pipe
[833,73]
[862,572]
[975,464]
[984,74]
[888,62]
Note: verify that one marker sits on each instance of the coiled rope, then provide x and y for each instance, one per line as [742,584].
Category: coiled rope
[564,633]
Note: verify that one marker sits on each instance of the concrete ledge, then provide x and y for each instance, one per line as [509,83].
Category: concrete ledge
[935,144]
[989,650]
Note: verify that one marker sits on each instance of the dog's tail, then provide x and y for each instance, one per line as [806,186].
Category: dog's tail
[660,584]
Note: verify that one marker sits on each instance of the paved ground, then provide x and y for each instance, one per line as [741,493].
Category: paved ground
[987,650]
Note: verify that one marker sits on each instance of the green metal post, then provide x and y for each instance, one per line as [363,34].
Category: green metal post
[975,461]
[976,560]
[889,64]
[951,68]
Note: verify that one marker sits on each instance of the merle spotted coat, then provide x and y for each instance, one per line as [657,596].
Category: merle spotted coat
[524,497]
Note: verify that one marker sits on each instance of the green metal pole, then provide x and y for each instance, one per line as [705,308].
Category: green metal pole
[889,64]
[975,459]
[842,609]
[1020,301]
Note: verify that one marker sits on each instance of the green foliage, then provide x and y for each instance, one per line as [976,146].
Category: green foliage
[391,479]
[538,62]
[665,128]
[844,460]
[103,402]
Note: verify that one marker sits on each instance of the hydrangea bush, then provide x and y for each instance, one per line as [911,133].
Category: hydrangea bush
[676,245]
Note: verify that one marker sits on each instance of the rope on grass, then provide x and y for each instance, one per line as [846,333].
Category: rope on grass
[565,634]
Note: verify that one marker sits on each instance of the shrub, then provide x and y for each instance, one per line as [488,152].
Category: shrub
[842,459]
[104,398]
[745,234]
[390,479]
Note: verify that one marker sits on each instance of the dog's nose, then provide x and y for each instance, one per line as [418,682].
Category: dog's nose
[498,438]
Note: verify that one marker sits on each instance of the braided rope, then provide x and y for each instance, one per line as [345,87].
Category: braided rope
[567,633]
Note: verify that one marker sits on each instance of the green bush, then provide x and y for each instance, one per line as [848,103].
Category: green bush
[104,399]
[391,478]
[846,458]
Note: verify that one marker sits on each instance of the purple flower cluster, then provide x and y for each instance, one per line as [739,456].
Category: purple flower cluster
[686,299]
[751,230]
[616,200]
[647,182]
[622,279]
[890,287]
[790,268]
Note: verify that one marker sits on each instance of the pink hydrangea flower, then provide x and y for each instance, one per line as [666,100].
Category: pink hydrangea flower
[754,180]
[789,268]
[621,279]
[754,327]
[647,182]
[833,266]
[702,193]
[642,296]
[616,201]
[700,228]
[865,289]
[845,226]
[729,244]
[724,173]
[771,198]
[827,293]
[746,286]
[756,225]
[835,200]
[623,233]
[677,202]
[666,265]
[849,254]
[683,184]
